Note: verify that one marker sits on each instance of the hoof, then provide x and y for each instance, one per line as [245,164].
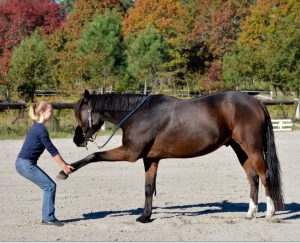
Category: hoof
[269,216]
[143,219]
[251,214]
[249,217]
[62,176]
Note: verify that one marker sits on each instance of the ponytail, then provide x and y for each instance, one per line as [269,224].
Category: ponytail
[36,109]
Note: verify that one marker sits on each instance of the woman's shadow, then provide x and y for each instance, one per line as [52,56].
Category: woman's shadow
[292,210]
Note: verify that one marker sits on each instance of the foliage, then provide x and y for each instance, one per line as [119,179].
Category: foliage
[192,45]
[145,55]
[69,68]
[197,32]
[67,5]
[217,24]
[101,44]
[162,14]
[18,19]
[170,18]
[213,82]
[29,68]
[84,13]
[268,49]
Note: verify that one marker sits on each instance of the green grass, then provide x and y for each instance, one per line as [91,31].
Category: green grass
[282,111]
[15,125]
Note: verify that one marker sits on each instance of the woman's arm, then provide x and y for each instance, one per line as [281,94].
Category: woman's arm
[44,136]
[66,167]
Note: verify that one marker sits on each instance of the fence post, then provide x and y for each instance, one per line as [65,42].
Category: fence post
[298,110]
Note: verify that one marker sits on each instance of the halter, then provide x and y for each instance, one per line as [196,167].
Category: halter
[90,122]
[90,118]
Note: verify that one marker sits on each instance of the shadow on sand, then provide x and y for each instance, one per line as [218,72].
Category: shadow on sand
[291,212]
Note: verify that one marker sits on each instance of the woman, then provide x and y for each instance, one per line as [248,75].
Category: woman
[36,141]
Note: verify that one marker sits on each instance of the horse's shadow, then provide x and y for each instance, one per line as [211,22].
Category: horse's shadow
[292,210]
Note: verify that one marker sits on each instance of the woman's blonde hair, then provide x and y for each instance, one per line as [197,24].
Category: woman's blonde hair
[36,109]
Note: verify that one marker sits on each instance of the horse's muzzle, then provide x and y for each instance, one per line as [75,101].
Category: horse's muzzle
[83,144]
[78,138]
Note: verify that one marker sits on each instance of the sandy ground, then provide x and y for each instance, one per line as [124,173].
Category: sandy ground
[199,199]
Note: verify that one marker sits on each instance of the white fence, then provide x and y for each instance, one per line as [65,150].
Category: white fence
[282,124]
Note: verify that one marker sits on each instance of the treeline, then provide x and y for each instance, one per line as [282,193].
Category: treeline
[149,45]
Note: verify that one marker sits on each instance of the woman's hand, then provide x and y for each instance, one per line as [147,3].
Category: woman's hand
[68,169]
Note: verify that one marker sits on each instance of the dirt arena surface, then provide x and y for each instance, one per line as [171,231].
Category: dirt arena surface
[199,199]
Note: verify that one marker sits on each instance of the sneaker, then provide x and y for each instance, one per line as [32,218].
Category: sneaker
[54,222]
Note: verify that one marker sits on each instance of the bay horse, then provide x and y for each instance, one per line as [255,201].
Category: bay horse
[167,127]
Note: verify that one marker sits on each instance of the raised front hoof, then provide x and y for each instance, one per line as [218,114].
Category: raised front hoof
[144,219]
[62,175]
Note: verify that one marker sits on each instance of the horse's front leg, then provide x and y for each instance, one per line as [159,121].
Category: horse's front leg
[150,187]
[118,154]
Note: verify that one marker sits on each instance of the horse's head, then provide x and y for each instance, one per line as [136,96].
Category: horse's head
[88,120]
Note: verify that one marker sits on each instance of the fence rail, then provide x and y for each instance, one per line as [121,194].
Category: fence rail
[21,106]
[279,102]
[282,124]
[12,106]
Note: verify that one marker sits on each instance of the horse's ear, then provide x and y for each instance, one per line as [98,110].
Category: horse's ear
[86,95]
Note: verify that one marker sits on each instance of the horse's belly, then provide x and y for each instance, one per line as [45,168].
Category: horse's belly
[185,146]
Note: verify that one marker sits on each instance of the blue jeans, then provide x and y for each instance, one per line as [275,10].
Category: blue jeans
[35,174]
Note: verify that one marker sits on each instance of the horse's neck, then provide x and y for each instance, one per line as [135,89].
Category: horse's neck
[114,116]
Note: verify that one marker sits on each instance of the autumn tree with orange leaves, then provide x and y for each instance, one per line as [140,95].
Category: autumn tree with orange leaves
[268,49]
[18,19]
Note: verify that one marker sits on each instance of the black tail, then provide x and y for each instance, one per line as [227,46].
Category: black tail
[273,165]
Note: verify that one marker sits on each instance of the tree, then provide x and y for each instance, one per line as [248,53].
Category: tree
[67,67]
[145,55]
[213,30]
[18,19]
[217,24]
[173,19]
[101,43]
[268,49]
[162,14]
[239,67]
[29,69]
[213,82]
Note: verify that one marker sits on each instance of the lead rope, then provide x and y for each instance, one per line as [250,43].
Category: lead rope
[120,123]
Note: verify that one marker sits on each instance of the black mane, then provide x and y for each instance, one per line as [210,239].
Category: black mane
[120,102]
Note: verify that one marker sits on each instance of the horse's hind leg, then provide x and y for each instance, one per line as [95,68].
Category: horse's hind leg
[260,166]
[253,148]
[256,164]
[252,178]
[254,183]
[150,187]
